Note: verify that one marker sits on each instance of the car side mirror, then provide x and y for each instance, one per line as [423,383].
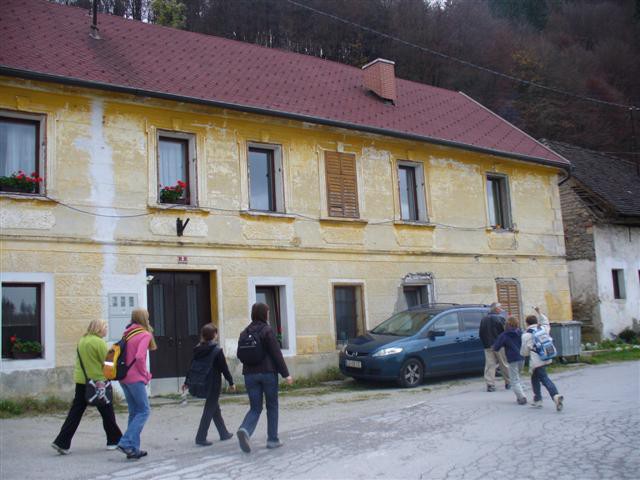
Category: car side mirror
[435,333]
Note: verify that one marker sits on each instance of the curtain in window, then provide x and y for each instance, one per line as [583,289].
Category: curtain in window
[172,161]
[493,198]
[17,147]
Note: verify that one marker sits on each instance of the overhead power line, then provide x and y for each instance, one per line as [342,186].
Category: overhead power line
[461,61]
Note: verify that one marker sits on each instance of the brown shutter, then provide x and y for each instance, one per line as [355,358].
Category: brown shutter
[342,184]
[509,297]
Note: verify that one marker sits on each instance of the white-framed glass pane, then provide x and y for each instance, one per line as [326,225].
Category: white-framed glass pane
[408,193]
[18,141]
[20,314]
[172,161]
[261,180]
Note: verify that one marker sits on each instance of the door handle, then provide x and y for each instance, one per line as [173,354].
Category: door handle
[170,341]
[459,340]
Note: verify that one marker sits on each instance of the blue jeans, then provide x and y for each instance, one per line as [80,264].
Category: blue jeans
[259,384]
[139,411]
[539,376]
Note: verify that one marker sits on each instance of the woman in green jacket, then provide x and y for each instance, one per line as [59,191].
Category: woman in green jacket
[93,350]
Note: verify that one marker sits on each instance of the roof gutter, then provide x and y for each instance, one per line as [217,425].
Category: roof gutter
[46,77]
[568,171]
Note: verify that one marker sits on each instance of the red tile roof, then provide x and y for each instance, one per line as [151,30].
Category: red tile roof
[40,39]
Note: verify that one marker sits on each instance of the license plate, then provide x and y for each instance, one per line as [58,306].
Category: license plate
[353,363]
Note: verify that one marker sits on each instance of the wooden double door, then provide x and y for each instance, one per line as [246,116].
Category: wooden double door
[179,305]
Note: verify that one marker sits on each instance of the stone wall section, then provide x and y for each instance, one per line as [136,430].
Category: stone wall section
[578,225]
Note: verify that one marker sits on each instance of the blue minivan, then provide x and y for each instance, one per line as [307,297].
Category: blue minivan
[426,340]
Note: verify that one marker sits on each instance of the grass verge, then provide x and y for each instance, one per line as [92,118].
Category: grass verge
[31,406]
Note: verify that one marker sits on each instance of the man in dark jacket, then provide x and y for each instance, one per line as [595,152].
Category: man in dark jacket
[491,327]
[261,379]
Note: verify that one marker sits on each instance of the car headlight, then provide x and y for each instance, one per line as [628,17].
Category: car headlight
[387,351]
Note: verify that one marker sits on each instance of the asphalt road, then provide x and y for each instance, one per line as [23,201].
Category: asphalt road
[449,429]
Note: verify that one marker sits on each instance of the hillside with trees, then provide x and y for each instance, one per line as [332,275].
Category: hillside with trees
[587,48]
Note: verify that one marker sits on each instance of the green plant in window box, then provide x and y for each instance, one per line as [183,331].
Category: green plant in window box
[20,182]
[173,193]
[23,349]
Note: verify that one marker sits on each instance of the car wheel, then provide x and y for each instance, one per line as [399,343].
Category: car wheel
[411,373]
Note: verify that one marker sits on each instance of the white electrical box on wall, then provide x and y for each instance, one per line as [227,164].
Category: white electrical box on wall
[120,307]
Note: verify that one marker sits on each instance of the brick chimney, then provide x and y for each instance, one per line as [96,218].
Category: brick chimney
[380,78]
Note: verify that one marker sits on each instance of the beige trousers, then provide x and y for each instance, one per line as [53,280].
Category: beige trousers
[492,360]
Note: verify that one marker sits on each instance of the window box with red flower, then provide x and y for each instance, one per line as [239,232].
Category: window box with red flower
[25,349]
[174,193]
[21,183]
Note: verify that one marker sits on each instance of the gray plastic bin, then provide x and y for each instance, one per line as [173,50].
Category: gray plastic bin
[567,338]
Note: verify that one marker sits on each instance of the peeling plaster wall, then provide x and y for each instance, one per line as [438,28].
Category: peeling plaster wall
[618,247]
[101,158]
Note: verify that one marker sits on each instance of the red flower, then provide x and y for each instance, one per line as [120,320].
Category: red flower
[181,184]
[13,339]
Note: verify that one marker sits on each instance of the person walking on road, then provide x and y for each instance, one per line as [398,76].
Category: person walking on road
[209,351]
[511,341]
[491,327]
[92,349]
[134,384]
[537,367]
[261,379]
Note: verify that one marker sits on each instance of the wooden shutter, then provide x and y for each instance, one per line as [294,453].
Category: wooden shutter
[342,184]
[509,297]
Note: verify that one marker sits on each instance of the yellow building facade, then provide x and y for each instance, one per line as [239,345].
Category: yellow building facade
[97,239]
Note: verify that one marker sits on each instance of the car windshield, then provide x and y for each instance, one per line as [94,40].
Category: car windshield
[404,324]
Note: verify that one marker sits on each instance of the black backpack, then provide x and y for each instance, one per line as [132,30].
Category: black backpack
[200,374]
[251,351]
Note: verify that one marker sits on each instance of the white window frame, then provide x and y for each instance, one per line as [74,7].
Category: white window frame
[41,118]
[506,201]
[622,288]
[192,163]
[278,166]
[420,188]
[47,317]
[287,312]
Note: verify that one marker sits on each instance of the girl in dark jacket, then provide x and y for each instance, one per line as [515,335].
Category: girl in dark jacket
[209,349]
[511,340]
[261,380]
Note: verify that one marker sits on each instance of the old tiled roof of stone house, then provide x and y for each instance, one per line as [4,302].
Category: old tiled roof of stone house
[46,41]
[611,181]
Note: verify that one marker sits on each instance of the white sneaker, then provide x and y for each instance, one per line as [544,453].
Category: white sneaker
[558,399]
[536,404]
[60,450]
[112,447]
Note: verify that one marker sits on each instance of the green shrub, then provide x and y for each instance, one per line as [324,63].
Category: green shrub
[628,336]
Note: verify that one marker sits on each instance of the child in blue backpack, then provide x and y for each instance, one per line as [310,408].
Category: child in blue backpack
[511,340]
[537,366]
